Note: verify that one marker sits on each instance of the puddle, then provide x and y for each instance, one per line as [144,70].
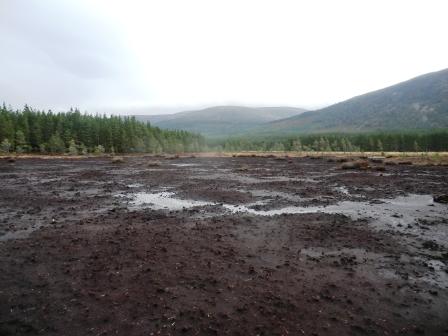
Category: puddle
[164,200]
[368,189]
[135,185]
[35,222]
[343,190]
[185,164]
[42,180]
[288,179]
[398,214]
[401,205]
[320,252]
[285,210]
[19,234]
[435,274]
[230,176]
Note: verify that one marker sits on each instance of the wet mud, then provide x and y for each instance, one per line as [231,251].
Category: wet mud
[221,246]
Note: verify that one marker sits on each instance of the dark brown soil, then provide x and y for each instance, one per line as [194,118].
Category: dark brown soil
[77,257]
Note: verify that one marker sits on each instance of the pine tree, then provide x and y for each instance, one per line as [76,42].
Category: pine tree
[99,149]
[335,146]
[55,144]
[278,147]
[72,148]
[83,149]
[344,146]
[296,145]
[416,146]
[139,146]
[43,148]
[20,142]
[5,146]
[379,146]
[30,130]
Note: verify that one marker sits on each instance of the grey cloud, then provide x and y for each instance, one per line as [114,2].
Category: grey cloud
[56,52]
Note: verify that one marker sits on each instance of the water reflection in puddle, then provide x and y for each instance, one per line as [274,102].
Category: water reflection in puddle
[19,234]
[343,190]
[400,211]
[185,164]
[400,214]
[164,200]
[135,185]
[397,213]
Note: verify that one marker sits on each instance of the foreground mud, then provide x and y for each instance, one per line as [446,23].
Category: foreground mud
[221,246]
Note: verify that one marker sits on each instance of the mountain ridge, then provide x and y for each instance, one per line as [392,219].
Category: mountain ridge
[415,104]
[420,103]
[218,121]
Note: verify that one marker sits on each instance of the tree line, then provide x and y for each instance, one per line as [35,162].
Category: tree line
[430,141]
[29,130]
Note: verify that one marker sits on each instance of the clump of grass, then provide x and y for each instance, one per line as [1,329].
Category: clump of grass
[154,164]
[360,164]
[172,157]
[117,159]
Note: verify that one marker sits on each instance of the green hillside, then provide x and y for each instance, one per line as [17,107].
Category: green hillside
[417,104]
[221,121]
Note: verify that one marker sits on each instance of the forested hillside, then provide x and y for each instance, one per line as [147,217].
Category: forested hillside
[30,130]
[431,141]
[420,103]
[220,121]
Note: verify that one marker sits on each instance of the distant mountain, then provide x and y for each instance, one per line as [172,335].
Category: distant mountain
[221,121]
[419,103]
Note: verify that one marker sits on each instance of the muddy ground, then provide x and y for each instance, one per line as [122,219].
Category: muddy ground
[221,246]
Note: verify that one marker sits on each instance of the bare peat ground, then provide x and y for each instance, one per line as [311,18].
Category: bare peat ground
[263,246]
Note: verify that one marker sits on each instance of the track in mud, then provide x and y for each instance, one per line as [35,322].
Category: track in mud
[221,246]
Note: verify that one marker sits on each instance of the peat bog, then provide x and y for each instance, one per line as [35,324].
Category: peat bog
[221,246]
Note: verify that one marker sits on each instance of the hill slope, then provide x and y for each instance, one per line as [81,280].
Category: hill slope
[419,103]
[221,120]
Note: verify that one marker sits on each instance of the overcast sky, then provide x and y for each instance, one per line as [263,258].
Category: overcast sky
[167,55]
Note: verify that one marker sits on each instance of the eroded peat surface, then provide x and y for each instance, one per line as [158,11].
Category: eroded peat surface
[221,246]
